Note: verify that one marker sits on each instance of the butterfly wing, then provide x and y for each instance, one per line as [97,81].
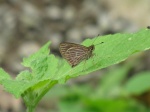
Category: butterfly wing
[73,53]
[63,47]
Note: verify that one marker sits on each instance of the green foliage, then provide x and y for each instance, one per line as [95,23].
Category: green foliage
[139,83]
[106,96]
[45,71]
[4,75]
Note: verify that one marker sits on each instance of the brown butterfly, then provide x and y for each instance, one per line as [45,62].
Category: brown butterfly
[75,53]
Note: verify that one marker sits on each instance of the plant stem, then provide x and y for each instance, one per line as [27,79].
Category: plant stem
[44,91]
[30,109]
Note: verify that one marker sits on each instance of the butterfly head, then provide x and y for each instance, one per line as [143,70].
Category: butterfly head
[91,48]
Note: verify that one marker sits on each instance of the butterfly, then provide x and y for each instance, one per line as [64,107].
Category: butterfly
[75,53]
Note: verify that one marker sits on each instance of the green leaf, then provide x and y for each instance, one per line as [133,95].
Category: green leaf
[4,75]
[111,83]
[27,62]
[45,71]
[114,105]
[115,49]
[138,84]
[43,68]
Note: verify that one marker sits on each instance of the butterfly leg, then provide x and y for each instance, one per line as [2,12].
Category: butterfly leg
[84,66]
[93,55]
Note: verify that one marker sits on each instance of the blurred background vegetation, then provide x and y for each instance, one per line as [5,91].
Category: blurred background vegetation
[25,25]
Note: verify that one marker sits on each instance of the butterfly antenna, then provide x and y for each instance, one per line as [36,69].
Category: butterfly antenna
[99,43]
[95,39]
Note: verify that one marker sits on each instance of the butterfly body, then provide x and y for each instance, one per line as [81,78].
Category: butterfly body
[75,53]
